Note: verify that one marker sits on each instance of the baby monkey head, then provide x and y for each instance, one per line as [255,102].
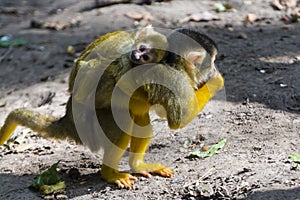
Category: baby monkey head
[149,47]
[194,53]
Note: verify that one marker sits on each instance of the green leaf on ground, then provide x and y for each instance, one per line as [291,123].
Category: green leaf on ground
[219,7]
[48,181]
[48,189]
[212,150]
[222,7]
[295,158]
[15,43]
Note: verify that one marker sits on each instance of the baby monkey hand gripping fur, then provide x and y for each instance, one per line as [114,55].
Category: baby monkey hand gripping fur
[184,61]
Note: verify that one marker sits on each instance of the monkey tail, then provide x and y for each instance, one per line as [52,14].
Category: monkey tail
[45,125]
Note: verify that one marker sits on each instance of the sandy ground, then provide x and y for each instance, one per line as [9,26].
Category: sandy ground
[257,112]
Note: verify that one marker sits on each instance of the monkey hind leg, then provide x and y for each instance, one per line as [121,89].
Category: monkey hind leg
[45,125]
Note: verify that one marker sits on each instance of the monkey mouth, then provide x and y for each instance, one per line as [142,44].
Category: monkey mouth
[139,57]
[205,79]
[135,56]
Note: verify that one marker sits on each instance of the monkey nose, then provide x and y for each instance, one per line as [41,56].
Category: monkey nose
[136,55]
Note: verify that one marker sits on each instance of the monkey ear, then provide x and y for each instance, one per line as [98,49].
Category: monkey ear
[195,57]
[147,30]
[194,60]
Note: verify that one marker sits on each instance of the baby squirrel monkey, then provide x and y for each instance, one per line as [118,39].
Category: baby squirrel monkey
[187,80]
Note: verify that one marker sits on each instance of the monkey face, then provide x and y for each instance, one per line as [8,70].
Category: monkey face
[143,54]
[149,47]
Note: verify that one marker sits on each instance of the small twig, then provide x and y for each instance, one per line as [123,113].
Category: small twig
[47,99]
[293,108]
[226,191]
[103,3]
[204,176]
[6,53]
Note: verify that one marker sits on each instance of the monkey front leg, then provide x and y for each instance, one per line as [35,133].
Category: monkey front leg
[138,147]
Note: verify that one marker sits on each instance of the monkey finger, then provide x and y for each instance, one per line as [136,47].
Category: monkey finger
[165,172]
[133,178]
[125,183]
[146,174]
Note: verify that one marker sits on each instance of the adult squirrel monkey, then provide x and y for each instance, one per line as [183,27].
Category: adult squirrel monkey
[181,78]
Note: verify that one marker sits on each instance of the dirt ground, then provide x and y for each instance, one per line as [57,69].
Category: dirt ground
[258,111]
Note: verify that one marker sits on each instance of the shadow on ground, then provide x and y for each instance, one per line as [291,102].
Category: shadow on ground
[82,185]
[293,194]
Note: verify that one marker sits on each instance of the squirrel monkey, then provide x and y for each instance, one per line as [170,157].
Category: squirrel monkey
[185,79]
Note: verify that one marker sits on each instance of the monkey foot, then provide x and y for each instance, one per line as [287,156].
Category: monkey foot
[123,180]
[155,169]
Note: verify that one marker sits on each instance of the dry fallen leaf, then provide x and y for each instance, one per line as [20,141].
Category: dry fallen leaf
[288,3]
[198,17]
[2,104]
[62,21]
[147,16]
[284,4]
[134,15]
[250,18]
[242,35]
[276,5]
[295,15]
[139,15]
[23,147]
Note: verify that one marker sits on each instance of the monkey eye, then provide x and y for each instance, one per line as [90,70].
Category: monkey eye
[146,57]
[142,48]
